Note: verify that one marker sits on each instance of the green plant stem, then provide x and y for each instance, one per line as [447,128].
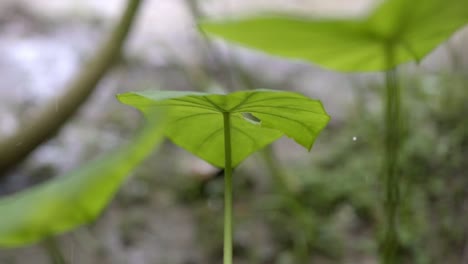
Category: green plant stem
[54,251]
[227,190]
[391,175]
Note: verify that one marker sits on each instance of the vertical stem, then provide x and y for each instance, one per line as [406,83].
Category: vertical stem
[279,179]
[391,174]
[54,251]
[227,190]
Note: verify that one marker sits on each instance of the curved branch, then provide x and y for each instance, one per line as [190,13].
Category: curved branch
[48,121]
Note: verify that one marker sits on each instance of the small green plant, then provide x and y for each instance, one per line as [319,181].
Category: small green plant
[226,129]
[396,32]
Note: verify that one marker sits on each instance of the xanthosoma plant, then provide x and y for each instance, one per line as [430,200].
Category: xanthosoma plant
[396,32]
[226,129]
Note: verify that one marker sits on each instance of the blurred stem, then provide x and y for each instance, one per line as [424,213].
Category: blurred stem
[289,200]
[227,190]
[279,179]
[391,174]
[54,251]
[210,50]
[50,119]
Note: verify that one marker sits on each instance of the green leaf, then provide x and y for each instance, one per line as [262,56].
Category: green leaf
[411,28]
[76,198]
[258,118]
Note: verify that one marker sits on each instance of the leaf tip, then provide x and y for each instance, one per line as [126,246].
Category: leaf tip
[119,96]
[206,26]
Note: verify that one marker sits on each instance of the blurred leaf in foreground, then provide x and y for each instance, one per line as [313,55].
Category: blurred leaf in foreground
[77,198]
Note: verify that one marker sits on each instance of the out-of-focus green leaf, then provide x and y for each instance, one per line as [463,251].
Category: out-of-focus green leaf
[77,198]
[258,118]
[411,29]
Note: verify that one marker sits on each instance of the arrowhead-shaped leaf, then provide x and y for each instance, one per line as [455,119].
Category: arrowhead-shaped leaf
[74,199]
[413,28]
[258,118]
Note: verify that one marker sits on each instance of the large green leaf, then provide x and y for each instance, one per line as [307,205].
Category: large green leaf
[258,118]
[74,199]
[411,28]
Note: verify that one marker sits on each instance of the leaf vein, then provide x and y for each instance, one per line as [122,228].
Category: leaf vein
[274,98]
[213,104]
[254,143]
[281,107]
[212,134]
[191,116]
[201,102]
[242,102]
[287,118]
[186,105]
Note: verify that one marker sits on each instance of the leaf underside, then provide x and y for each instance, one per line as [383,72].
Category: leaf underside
[258,118]
[73,199]
[412,29]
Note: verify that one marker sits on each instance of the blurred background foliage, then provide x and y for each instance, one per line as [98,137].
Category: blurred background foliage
[290,206]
